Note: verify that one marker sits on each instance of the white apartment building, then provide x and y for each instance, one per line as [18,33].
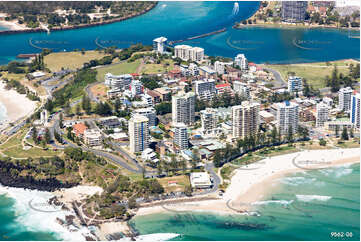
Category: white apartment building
[186,52]
[183,108]
[322,112]
[355,110]
[241,88]
[219,66]
[209,120]
[205,89]
[193,69]
[93,137]
[147,100]
[159,44]
[287,116]
[138,133]
[181,136]
[328,101]
[149,112]
[197,54]
[294,84]
[344,98]
[136,88]
[118,82]
[245,119]
[44,117]
[241,61]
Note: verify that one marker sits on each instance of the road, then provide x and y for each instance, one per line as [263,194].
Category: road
[278,78]
[136,168]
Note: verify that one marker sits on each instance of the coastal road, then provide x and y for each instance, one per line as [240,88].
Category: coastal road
[138,169]
[112,157]
[278,78]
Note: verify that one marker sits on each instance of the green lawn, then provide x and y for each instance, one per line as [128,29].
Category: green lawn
[117,69]
[13,148]
[315,73]
[55,61]
[165,66]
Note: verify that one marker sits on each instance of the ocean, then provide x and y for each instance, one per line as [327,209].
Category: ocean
[181,20]
[20,222]
[303,206]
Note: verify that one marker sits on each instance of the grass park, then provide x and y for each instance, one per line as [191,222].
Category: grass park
[315,73]
[118,69]
[73,60]
[13,147]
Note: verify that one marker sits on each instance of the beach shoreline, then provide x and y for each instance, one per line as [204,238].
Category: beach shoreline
[252,184]
[17,105]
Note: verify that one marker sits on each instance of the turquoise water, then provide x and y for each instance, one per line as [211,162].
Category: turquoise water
[179,20]
[19,222]
[303,206]
[12,229]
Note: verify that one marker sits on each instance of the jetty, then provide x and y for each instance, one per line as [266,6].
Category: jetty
[198,36]
[26,56]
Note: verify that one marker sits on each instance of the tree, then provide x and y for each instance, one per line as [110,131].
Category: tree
[290,134]
[336,130]
[344,134]
[61,125]
[117,105]
[86,105]
[323,142]
[217,159]
[49,106]
[188,191]
[159,169]
[274,135]
[77,109]
[47,136]
[103,109]
[35,135]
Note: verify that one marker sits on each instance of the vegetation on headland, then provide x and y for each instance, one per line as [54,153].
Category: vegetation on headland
[63,14]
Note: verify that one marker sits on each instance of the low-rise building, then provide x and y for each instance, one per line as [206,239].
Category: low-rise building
[165,95]
[223,88]
[200,180]
[339,125]
[79,129]
[207,71]
[266,117]
[93,137]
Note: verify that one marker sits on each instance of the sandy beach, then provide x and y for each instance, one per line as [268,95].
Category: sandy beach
[12,25]
[17,105]
[252,183]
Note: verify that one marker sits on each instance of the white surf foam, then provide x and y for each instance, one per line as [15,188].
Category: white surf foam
[153,237]
[308,198]
[40,221]
[282,202]
[337,172]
